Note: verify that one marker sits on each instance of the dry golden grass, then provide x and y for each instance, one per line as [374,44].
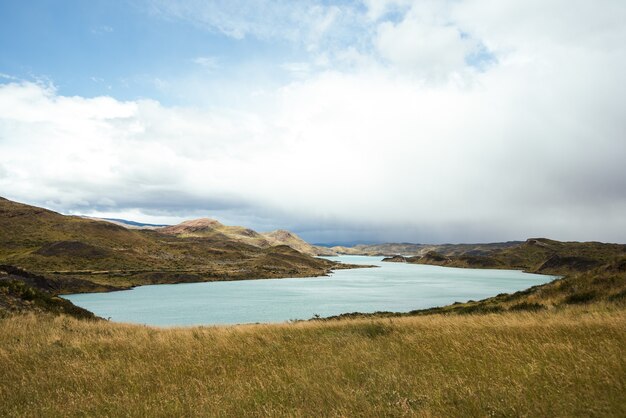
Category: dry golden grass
[566,363]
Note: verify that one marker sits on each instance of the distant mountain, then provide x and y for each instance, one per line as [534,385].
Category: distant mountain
[407,249]
[344,244]
[125,223]
[210,228]
[133,223]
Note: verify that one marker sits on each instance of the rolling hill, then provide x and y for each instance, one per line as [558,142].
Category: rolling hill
[210,228]
[45,242]
[535,255]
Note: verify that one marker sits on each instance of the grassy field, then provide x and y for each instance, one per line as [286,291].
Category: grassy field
[567,362]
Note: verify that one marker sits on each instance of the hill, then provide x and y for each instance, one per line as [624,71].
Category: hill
[282,237]
[210,228]
[536,255]
[59,246]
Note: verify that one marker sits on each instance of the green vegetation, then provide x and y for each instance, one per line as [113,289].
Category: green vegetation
[571,362]
[17,296]
[21,291]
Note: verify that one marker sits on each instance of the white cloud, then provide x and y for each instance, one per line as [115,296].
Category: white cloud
[429,49]
[8,77]
[303,21]
[377,9]
[297,69]
[102,29]
[535,25]
[210,63]
[534,145]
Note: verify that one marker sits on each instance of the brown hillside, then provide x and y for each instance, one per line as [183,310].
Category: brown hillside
[46,242]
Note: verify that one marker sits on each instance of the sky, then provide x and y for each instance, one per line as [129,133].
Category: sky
[343,121]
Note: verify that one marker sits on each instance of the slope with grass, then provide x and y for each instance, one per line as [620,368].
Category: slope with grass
[46,242]
[535,255]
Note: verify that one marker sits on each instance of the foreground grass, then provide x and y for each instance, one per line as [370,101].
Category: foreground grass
[566,363]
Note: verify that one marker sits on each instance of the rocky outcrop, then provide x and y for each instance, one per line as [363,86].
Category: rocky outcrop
[21,291]
[395,259]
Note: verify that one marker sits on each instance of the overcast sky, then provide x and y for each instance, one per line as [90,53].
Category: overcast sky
[378,120]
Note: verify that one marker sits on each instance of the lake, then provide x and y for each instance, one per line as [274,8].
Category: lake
[397,287]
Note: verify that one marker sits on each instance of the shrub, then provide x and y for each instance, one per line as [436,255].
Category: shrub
[618,297]
[527,306]
[480,309]
[580,297]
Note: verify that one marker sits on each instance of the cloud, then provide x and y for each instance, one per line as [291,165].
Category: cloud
[377,9]
[297,69]
[210,63]
[101,30]
[8,77]
[305,21]
[424,47]
[422,147]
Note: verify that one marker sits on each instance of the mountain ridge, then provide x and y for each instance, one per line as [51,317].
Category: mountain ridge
[410,249]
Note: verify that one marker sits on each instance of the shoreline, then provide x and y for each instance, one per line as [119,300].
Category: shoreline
[343,315]
[206,279]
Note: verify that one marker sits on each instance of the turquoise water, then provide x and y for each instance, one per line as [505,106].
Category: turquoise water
[391,287]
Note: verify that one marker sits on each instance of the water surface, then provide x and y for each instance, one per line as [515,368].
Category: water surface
[395,287]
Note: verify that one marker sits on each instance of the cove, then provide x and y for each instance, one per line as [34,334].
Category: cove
[394,287]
